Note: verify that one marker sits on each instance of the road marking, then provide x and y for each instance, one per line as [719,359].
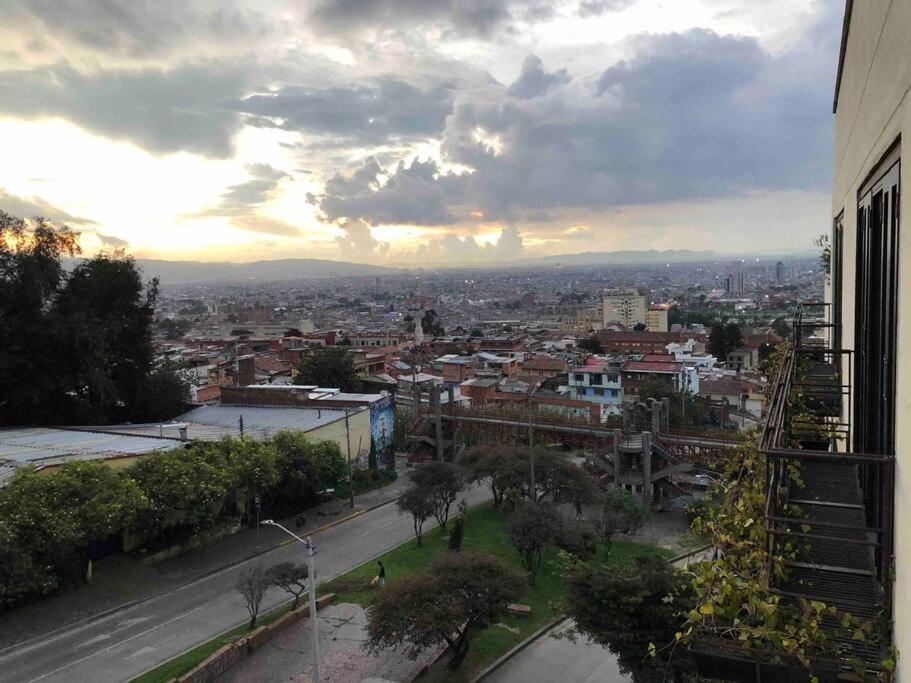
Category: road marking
[96,639]
[141,651]
[118,644]
[126,623]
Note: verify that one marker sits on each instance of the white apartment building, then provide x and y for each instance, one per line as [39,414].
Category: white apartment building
[625,306]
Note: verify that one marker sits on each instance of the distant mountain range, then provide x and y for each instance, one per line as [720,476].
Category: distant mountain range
[174,272]
[177,272]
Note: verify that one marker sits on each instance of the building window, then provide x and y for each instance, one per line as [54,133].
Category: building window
[599,392]
[580,378]
[595,378]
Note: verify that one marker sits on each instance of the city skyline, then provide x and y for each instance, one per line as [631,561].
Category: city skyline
[419,133]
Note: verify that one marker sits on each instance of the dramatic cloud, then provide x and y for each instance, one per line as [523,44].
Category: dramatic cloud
[453,249]
[411,194]
[534,80]
[35,207]
[160,110]
[692,115]
[243,198]
[594,8]
[358,243]
[133,28]
[472,18]
[364,114]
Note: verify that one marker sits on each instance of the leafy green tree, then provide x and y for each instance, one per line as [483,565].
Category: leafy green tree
[330,366]
[459,595]
[164,394]
[723,339]
[531,528]
[30,278]
[255,468]
[573,485]
[577,538]
[56,515]
[782,328]
[419,505]
[440,483]
[291,578]
[430,323]
[501,467]
[107,349]
[632,610]
[186,490]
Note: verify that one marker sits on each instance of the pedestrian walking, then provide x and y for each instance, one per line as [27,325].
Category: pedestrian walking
[381,575]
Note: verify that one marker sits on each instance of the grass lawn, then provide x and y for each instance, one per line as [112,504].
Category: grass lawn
[484,530]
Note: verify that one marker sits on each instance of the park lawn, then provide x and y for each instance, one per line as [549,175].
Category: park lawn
[484,530]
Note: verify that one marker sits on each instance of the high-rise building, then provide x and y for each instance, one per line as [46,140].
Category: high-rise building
[779,272]
[626,306]
[734,282]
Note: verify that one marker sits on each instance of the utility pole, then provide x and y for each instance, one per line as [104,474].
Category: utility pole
[311,566]
[531,454]
[350,478]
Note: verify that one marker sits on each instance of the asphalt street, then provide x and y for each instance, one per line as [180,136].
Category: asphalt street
[131,641]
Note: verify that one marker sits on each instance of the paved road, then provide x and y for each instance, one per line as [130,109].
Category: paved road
[129,642]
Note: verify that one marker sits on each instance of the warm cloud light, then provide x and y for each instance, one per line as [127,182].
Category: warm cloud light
[408,132]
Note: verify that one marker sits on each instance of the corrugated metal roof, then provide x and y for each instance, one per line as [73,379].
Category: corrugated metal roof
[42,446]
[213,422]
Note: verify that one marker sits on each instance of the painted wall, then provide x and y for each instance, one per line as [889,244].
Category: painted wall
[873,112]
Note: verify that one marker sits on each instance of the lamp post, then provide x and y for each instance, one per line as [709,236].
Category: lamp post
[314,634]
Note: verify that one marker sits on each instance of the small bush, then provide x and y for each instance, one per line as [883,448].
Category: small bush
[578,539]
[457,533]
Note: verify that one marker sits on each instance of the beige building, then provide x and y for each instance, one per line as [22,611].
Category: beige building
[625,306]
[656,319]
[871,308]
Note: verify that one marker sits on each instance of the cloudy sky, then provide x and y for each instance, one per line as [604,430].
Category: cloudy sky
[419,131]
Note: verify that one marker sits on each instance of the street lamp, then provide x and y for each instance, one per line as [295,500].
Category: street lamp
[314,635]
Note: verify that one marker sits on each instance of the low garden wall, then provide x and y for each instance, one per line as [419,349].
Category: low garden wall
[223,659]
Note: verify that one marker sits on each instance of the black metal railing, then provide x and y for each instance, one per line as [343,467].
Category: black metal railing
[829,511]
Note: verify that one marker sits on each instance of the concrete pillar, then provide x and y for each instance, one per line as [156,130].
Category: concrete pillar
[647,471]
[450,394]
[436,407]
[666,412]
[617,457]
[656,416]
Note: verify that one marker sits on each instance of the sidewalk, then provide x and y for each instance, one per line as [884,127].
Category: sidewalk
[122,580]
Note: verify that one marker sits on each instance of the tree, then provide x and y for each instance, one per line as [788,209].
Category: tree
[723,339]
[571,484]
[621,514]
[531,528]
[307,467]
[577,538]
[502,467]
[430,323]
[590,344]
[782,328]
[186,490]
[252,585]
[476,332]
[458,596]
[255,468]
[418,504]
[56,516]
[291,578]
[30,278]
[440,483]
[629,610]
[457,535]
[330,366]
[639,327]
[107,314]
[164,394]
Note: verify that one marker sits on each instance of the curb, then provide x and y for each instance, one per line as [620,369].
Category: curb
[547,628]
[50,635]
[500,661]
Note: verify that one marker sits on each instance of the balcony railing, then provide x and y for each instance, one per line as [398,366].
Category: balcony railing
[829,511]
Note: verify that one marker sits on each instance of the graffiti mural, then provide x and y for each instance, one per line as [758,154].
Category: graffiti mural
[382,432]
